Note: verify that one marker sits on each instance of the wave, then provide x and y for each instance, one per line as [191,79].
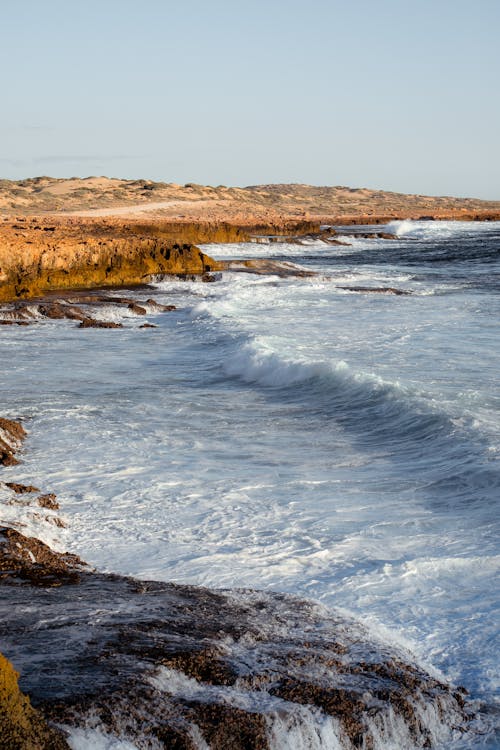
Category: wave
[448,452]
[430,229]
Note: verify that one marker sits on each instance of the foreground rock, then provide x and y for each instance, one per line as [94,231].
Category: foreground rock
[169,666]
[21,726]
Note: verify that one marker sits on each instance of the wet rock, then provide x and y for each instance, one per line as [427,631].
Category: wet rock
[264,266]
[226,727]
[20,489]
[93,323]
[11,436]
[48,501]
[27,560]
[375,289]
[59,311]
[21,726]
[148,325]
[14,323]
[182,665]
[206,665]
[136,309]
[158,306]
[346,706]
[211,277]
[370,235]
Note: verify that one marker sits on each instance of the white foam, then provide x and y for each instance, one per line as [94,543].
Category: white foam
[235,449]
[423,229]
[81,738]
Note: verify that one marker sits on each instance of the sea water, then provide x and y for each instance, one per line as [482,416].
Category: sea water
[294,435]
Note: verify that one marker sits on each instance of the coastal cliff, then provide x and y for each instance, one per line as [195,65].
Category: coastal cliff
[37,256]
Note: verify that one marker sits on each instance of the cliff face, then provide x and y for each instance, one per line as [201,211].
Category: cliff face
[38,256]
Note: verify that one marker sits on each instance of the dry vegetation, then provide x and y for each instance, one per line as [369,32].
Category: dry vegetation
[102,196]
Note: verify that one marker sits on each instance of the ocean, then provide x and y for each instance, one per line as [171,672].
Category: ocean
[290,434]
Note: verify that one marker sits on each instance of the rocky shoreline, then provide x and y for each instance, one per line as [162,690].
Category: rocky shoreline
[158,664]
[163,665]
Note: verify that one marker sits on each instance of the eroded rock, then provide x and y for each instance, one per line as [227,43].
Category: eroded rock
[11,436]
[21,726]
[375,289]
[93,323]
[48,501]
[182,665]
[28,560]
[21,489]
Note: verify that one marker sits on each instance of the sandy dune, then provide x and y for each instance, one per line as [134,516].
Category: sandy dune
[266,204]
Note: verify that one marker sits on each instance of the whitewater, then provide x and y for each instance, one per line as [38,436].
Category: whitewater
[289,434]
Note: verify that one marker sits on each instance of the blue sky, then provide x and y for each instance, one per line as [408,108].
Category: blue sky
[393,95]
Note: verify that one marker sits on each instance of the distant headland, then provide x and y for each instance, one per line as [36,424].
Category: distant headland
[98,232]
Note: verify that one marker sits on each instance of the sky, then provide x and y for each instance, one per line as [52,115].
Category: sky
[388,94]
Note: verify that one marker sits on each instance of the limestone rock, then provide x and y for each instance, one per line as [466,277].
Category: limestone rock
[21,726]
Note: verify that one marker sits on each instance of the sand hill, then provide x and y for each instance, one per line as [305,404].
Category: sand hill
[103,196]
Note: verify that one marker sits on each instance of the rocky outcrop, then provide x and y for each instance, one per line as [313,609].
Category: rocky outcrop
[12,435]
[21,726]
[165,665]
[93,323]
[90,254]
[27,560]
[265,266]
[375,290]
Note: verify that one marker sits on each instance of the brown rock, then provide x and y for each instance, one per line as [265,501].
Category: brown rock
[48,501]
[58,311]
[136,309]
[229,728]
[21,726]
[205,665]
[92,323]
[20,489]
[29,560]
[211,277]
[160,307]
[11,436]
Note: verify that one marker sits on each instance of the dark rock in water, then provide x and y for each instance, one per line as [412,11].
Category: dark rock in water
[11,436]
[21,489]
[14,323]
[387,236]
[165,665]
[58,311]
[48,501]
[148,325]
[136,309]
[375,289]
[93,323]
[264,266]
[211,277]
[158,306]
[27,560]
[371,235]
